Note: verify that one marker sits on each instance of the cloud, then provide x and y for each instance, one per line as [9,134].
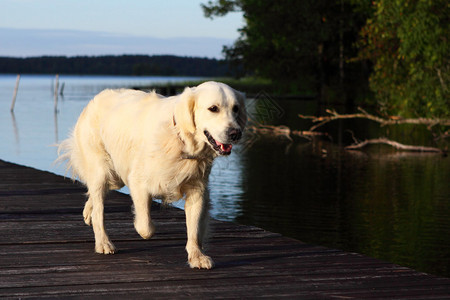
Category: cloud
[38,42]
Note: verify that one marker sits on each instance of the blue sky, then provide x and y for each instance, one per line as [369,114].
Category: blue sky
[160,19]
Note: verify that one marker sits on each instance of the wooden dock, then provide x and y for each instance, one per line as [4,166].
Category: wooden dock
[46,251]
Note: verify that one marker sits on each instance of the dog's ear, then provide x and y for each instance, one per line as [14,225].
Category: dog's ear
[184,114]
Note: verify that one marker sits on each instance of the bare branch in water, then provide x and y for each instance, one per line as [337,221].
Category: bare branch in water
[365,115]
[394,144]
[284,131]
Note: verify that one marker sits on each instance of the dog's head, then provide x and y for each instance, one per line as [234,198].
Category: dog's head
[212,113]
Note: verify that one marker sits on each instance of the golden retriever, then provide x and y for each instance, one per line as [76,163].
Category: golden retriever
[160,148]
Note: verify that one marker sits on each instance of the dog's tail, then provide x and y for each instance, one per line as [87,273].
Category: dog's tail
[65,153]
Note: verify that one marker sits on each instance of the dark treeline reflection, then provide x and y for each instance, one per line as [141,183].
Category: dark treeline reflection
[386,204]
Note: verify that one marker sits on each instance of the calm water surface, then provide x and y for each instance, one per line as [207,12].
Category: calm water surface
[386,204]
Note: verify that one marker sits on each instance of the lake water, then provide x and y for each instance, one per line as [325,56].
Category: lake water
[386,204]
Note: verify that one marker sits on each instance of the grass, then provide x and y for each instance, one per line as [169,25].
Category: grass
[249,85]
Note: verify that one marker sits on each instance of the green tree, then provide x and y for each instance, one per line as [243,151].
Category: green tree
[300,45]
[407,42]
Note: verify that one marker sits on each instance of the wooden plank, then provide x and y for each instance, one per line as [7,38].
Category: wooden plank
[46,251]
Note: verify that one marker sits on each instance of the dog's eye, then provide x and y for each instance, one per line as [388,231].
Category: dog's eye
[235,109]
[214,109]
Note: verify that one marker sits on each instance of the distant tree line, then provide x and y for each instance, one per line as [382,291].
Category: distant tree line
[163,65]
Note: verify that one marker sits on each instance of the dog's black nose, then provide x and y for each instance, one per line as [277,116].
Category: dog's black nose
[234,134]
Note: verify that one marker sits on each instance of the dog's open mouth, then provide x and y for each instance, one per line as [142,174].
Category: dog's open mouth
[223,149]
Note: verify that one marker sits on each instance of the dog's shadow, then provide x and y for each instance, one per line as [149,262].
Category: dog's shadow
[262,256]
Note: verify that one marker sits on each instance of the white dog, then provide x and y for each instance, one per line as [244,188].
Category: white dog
[158,147]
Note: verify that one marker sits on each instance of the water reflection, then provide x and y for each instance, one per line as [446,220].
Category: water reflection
[226,185]
[393,206]
[16,132]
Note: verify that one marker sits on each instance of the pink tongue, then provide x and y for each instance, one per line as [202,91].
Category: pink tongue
[225,147]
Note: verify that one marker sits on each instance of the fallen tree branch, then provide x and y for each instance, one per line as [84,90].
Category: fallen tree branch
[394,144]
[284,131]
[365,115]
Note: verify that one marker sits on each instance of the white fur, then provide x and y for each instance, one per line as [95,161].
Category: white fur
[157,147]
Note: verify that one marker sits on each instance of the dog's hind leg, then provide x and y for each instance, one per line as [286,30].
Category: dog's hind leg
[87,212]
[96,199]
[114,183]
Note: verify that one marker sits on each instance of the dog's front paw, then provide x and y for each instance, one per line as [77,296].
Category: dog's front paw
[105,248]
[145,229]
[201,262]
